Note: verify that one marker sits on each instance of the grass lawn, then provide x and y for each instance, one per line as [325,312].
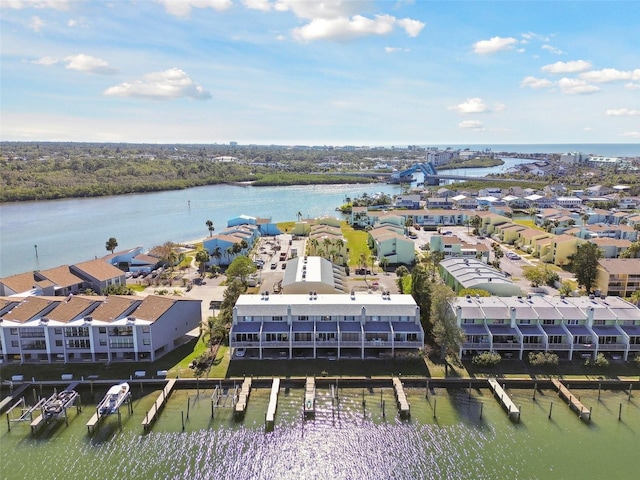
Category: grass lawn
[357,241]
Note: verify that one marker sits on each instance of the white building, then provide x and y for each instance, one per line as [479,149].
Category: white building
[95,329]
[317,325]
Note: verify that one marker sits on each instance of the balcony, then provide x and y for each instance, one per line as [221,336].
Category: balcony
[612,347]
[634,347]
[273,344]
[559,346]
[507,346]
[377,343]
[358,343]
[476,345]
[408,344]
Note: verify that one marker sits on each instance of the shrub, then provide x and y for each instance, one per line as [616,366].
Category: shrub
[543,359]
[601,361]
[486,359]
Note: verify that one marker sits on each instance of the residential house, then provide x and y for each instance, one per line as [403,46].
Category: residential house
[390,243]
[99,274]
[464,273]
[452,246]
[611,247]
[311,273]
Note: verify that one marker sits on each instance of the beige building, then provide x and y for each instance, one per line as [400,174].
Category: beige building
[618,276]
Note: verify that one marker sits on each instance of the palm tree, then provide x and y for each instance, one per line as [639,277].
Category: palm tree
[209,224]
[327,243]
[244,245]
[217,254]
[202,257]
[111,244]
[384,263]
[299,215]
[314,245]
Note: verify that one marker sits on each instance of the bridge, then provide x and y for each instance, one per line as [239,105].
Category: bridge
[429,171]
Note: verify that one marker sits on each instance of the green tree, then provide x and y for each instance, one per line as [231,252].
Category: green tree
[118,290]
[213,331]
[421,293]
[631,251]
[217,254]
[476,223]
[234,289]
[240,269]
[401,272]
[202,257]
[384,263]
[584,264]
[210,227]
[446,331]
[497,254]
[111,244]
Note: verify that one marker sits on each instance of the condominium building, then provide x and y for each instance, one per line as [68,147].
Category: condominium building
[317,325]
[584,326]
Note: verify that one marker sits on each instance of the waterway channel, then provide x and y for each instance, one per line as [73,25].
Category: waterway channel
[46,234]
[452,433]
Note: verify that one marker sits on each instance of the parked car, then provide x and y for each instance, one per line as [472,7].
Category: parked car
[274,266]
[240,352]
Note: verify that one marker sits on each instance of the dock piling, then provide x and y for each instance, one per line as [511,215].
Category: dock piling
[535,388]
[481,405]
[630,387]
[182,414]
[599,388]
[550,409]
[434,407]
[620,412]
[188,406]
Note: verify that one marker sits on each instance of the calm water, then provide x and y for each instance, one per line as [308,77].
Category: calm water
[603,149]
[345,442]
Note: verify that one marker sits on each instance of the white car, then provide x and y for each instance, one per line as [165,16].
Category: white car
[239,353]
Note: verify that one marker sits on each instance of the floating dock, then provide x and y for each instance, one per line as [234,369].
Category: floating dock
[309,406]
[574,402]
[273,404]
[505,400]
[243,398]
[153,412]
[404,408]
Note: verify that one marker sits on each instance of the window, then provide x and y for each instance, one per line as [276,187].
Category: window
[325,318]
[103,342]
[548,322]
[14,343]
[468,321]
[498,321]
[349,318]
[102,330]
[78,343]
[145,329]
[303,318]
[57,330]
[76,332]
[58,343]
[121,331]
[146,341]
[524,322]
[277,318]
[13,331]
[121,342]
[598,322]
[572,322]
[555,339]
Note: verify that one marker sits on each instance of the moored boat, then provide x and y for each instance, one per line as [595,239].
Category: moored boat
[115,396]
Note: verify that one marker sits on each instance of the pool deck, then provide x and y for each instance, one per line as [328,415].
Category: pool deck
[573,401]
[503,397]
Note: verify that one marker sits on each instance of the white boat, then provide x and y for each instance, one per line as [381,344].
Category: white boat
[113,399]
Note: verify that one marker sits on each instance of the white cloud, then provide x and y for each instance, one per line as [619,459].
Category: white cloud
[172,83]
[610,75]
[35,24]
[262,5]
[632,86]
[46,61]
[395,49]
[19,4]
[472,124]
[182,8]
[311,10]
[573,86]
[552,49]
[89,64]
[536,83]
[495,44]
[631,134]
[533,36]
[412,27]
[344,28]
[573,66]
[621,112]
[471,105]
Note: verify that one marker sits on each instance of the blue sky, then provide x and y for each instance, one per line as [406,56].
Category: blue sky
[320,72]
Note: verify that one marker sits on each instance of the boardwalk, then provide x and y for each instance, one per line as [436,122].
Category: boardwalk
[273,404]
[151,415]
[401,398]
[574,402]
[243,398]
[505,400]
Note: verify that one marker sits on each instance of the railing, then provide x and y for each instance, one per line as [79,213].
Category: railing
[634,347]
[267,344]
[612,346]
[559,346]
[476,346]
[408,344]
[357,343]
[507,345]
[326,343]
[584,346]
[377,343]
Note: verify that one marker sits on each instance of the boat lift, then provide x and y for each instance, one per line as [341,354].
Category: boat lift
[224,398]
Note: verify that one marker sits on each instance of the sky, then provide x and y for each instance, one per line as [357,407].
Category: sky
[294,72]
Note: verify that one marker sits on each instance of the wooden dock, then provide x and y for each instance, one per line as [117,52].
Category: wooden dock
[12,399]
[273,404]
[404,408]
[153,412]
[574,402]
[309,406]
[505,400]
[243,398]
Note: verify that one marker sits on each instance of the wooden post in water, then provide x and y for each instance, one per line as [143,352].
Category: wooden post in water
[383,414]
[434,407]
[620,412]
[363,397]
[182,414]
[535,387]
[590,410]
[550,409]
[188,405]
[630,387]
[469,392]
[519,412]
[381,397]
[599,387]
[481,405]
[34,396]
[66,418]
[427,394]
[119,419]
[8,422]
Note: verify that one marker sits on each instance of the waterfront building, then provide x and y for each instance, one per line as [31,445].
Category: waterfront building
[452,246]
[315,325]
[567,326]
[81,328]
[388,241]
